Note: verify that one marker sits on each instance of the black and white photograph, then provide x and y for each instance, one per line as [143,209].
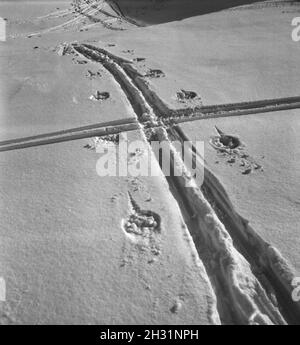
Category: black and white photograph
[149,165]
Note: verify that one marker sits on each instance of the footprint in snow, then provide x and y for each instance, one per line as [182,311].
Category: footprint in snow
[142,226]
[230,147]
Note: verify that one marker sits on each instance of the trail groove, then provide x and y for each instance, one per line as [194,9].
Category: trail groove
[242,297]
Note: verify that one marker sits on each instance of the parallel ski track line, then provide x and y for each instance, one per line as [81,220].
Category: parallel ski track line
[273,270]
[69,135]
[87,10]
[185,115]
[234,262]
[233,270]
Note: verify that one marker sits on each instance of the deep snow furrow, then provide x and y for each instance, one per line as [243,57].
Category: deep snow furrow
[107,125]
[235,109]
[133,94]
[198,115]
[247,105]
[46,139]
[246,301]
[242,297]
[119,124]
[268,265]
[192,114]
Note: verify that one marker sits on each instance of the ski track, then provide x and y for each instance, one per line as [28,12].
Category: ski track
[174,117]
[242,296]
[85,11]
[249,279]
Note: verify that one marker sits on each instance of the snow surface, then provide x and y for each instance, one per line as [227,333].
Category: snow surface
[65,253]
